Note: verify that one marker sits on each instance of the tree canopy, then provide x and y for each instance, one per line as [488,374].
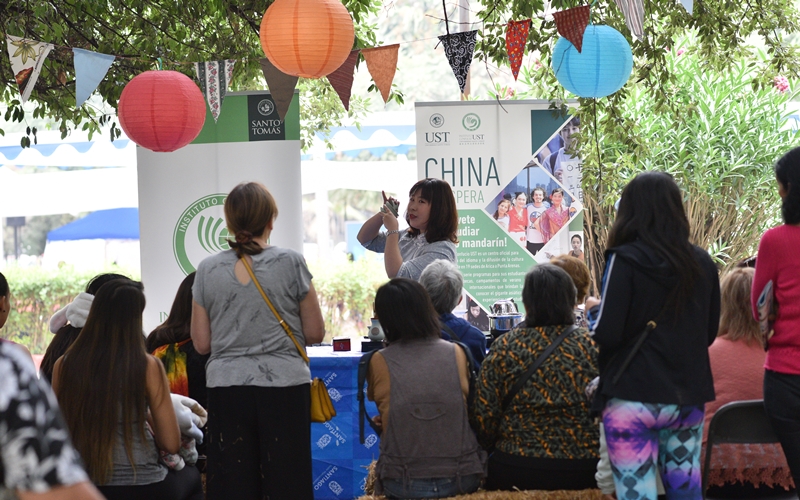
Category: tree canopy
[144,34]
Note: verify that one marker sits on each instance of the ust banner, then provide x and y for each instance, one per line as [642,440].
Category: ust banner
[517,188]
[181,194]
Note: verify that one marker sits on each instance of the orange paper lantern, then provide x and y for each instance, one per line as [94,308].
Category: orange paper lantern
[161,110]
[307,38]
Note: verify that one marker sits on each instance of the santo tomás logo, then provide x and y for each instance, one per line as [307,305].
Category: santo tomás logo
[200,232]
[265,107]
[471,121]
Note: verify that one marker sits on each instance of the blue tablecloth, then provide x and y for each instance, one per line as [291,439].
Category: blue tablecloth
[339,460]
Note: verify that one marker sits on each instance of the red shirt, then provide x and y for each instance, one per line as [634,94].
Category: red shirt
[517,222]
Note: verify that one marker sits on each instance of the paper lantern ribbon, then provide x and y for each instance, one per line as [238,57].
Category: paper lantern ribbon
[634,16]
[516,37]
[90,69]
[27,57]
[571,24]
[281,86]
[382,65]
[459,47]
[342,79]
[214,77]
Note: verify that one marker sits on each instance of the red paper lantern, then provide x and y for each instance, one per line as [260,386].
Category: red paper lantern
[307,38]
[161,110]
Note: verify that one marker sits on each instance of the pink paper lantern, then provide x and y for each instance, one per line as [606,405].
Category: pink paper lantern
[161,110]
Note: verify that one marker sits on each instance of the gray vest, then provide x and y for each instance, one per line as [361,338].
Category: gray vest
[428,433]
[145,457]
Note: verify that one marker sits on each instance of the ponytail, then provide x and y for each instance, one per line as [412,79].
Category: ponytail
[787,171]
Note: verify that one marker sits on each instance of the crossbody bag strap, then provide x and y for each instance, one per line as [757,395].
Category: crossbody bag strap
[535,366]
[274,311]
[450,332]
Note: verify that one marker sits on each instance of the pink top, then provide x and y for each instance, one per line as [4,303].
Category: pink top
[779,261]
[738,370]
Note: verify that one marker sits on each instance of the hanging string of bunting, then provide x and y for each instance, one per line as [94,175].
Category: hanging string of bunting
[28,56]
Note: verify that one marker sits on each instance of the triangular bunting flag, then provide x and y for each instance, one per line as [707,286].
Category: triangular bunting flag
[214,77]
[688,5]
[382,64]
[634,16]
[516,38]
[27,57]
[459,47]
[342,79]
[571,24]
[90,69]
[281,86]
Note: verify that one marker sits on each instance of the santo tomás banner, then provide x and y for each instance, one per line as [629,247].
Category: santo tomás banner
[181,194]
[516,183]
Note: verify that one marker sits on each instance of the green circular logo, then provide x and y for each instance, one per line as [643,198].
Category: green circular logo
[200,231]
[471,121]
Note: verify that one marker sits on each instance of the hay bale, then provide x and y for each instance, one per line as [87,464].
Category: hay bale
[520,495]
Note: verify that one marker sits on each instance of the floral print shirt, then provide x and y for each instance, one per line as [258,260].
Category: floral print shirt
[35,449]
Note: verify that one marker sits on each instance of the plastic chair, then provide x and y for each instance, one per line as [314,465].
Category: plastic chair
[740,422]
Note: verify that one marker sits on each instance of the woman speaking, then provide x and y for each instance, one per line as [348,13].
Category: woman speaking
[433,222]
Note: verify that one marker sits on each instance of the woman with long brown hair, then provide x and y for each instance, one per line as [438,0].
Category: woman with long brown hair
[259,416]
[106,384]
[432,218]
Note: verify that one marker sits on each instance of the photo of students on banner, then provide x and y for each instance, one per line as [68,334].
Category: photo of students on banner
[533,209]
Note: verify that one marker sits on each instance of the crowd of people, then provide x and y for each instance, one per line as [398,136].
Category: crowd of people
[614,392]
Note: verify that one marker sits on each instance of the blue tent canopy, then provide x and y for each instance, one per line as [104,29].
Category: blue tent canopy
[114,224]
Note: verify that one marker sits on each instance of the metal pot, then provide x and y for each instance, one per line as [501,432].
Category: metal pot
[505,316]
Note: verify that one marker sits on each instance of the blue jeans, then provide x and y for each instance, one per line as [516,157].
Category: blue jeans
[434,487]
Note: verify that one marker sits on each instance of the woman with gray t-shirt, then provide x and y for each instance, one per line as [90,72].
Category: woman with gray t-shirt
[259,422]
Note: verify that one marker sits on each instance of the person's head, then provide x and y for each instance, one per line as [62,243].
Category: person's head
[520,199]
[5,300]
[736,319]
[176,328]
[102,377]
[444,282]
[787,172]
[576,242]
[537,196]
[101,279]
[579,273]
[502,208]
[548,296]
[651,211]
[250,211]
[434,212]
[572,127]
[557,197]
[473,308]
[405,311]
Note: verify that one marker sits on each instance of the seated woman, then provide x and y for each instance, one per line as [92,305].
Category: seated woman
[171,342]
[581,278]
[544,439]
[737,365]
[106,383]
[444,283]
[67,322]
[427,449]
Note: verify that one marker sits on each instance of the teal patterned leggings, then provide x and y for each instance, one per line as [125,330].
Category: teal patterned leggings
[641,436]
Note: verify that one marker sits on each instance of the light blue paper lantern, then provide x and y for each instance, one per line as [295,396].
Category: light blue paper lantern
[600,69]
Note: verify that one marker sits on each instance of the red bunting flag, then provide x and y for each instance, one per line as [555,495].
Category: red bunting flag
[342,79]
[571,24]
[516,38]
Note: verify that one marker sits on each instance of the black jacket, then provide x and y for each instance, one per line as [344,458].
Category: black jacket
[672,365]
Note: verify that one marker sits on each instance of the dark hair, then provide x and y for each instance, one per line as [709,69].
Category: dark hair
[102,378]
[548,296]
[443,219]
[249,210]
[787,171]
[539,188]
[177,326]
[557,190]
[576,236]
[405,311]
[497,212]
[651,211]
[517,193]
[67,334]
[4,290]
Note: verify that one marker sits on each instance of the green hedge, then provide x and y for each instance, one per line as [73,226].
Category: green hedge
[346,293]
